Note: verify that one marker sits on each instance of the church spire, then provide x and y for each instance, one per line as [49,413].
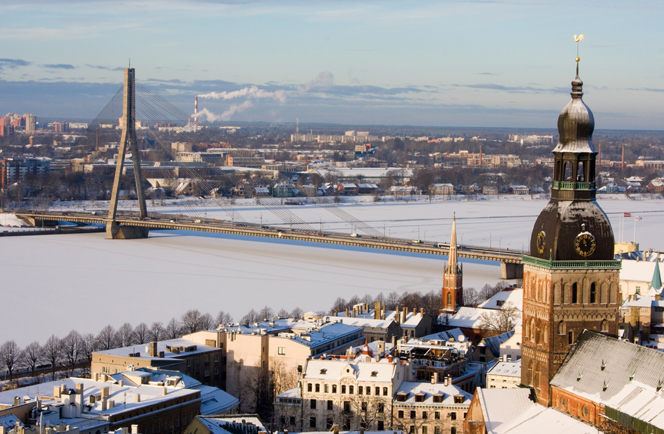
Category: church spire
[453,248]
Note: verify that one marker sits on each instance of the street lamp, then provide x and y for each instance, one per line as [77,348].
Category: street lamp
[261,220]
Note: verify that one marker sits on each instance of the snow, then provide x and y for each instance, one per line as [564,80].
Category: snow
[84,282]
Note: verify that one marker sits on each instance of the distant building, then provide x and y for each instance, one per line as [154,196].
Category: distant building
[504,375]
[18,169]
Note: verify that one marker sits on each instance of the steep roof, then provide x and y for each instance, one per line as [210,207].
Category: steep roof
[618,374]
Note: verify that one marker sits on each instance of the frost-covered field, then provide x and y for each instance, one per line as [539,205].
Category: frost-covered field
[55,283]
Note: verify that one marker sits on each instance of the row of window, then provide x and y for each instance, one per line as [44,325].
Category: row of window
[569,294]
[350,390]
[425,414]
[347,408]
[380,425]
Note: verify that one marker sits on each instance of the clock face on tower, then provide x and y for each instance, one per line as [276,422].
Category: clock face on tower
[541,242]
[585,244]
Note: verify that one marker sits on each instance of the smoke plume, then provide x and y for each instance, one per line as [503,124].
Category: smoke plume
[249,92]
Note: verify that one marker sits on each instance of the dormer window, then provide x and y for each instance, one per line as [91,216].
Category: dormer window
[401,397]
[458,399]
[374,373]
[419,397]
[323,371]
[438,398]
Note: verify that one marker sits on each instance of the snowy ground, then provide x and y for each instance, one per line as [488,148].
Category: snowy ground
[55,283]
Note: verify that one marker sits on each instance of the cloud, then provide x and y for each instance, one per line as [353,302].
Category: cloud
[13,63]
[323,81]
[59,66]
[249,92]
[225,116]
[105,68]
[646,89]
[512,89]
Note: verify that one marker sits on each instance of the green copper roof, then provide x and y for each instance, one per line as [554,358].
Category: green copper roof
[656,277]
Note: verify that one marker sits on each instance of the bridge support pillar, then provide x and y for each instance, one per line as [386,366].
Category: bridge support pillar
[511,271]
[116,232]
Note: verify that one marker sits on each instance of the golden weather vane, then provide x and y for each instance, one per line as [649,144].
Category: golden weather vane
[578,39]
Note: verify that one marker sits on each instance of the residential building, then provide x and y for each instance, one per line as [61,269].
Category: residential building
[199,361]
[18,169]
[156,402]
[637,274]
[442,189]
[227,424]
[430,408]
[504,375]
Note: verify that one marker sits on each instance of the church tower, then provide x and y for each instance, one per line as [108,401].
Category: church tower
[570,278]
[452,279]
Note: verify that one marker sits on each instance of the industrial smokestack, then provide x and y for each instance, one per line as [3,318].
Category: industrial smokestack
[623,156]
[195,112]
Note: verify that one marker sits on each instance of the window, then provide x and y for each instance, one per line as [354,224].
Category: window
[381,425]
[384,391]
[568,171]
[347,406]
[281,351]
[449,299]
[346,426]
[458,399]
[453,416]
[334,388]
[364,406]
[400,413]
[436,430]
[330,405]
[381,407]
[436,415]
[351,390]
[312,422]
[368,389]
[419,397]
[360,389]
[327,388]
[309,387]
[439,398]
[329,423]
[593,293]
[570,338]
[317,388]
[425,415]
[575,293]
[299,369]
[411,429]
[292,420]
[312,404]
[425,430]
[561,328]
[343,388]
[413,414]
[605,326]
[453,430]
[580,173]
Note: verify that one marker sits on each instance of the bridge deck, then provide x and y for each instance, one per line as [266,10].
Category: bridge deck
[165,221]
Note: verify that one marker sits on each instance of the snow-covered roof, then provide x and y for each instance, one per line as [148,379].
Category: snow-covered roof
[466,317]
[182,347]
[637,271]
[429,390]
[617,374]
[216,401]
[218,424]
[507,295]
[362,321]
[334,370]
[506,369]
[494,342]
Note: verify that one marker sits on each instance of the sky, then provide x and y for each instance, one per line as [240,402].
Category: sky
[434,63]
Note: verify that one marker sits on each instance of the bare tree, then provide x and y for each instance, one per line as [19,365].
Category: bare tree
[157,331]
[339,305]
[224,318]
[10,354]
[88,345]
[106,338]
[297,314]
[283,313]
[392,300]
[500,321]
[125,335]
[72,347]
[52,352]
[283,378]
[173,329]
[256,390]
[250,318]
[191,321]
[207,322]
[141,334]
[266,313]
[32,355]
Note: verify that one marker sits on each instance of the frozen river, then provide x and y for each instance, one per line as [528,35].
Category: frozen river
[55,283]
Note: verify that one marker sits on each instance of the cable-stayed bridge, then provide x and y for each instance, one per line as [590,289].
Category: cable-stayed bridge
[134,103]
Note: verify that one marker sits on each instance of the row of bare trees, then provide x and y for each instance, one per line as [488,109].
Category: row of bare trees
[75,348]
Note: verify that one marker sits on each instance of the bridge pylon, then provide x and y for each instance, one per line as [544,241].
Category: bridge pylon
[113,229]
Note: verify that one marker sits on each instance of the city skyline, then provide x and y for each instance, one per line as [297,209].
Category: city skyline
[474,64]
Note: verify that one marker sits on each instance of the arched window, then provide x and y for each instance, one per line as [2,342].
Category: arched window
[449,299]
[556,294]
[568,171]
[575,293]
[604,293]
[605,326]
[561,328]
[533,331]
[545,334]
[525,330]
[593,293]
[580,173]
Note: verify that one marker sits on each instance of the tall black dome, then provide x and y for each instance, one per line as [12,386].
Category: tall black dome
[572,226]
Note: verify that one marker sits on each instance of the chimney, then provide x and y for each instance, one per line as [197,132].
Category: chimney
[414,311]
[447,380]
[104,404]
[17,401]
[658,297]
[104,392]
[79,388]
[361,430]
[422,312]
[138,398]
[96,376]
[504,357]
[434,378]
[383,315]
[397,315]
[404,313]
[335,429]
[134,429]
[56,391]
[164,391]
[152,349]
[111,404]
[121,383]
[623,156]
